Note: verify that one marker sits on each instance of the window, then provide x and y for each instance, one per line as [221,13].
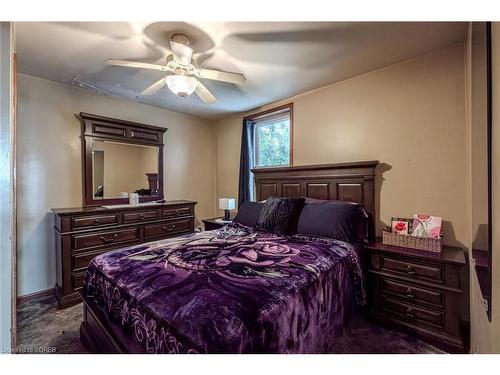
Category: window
[273,137]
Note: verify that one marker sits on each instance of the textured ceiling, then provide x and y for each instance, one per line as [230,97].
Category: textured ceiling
[279,59]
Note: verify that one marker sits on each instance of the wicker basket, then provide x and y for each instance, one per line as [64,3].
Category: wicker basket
[421,243]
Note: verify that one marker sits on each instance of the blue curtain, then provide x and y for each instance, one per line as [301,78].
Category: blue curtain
[245,192]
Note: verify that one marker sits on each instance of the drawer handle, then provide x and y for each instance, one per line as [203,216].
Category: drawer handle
[410,270]
[409,313]
[96,222]
[409,294]
[108,240]
[141,216]
[181,212]
[172,227]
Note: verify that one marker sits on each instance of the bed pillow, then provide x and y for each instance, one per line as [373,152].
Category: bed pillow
[345,221]
[280,215]
[248,213]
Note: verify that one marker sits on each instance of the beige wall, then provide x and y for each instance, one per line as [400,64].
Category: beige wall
[49,164]
[410,116]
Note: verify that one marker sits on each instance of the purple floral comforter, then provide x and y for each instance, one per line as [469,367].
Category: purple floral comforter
[232,290]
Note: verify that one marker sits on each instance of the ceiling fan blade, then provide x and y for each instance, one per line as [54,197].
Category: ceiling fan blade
[154,87]
[136,64]
[182,53]
[218,75]
[205,95]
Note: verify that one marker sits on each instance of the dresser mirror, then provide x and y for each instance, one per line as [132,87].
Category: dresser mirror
[119,169]
[120,157]
[481,157]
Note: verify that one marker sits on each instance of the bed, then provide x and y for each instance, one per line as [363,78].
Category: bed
[235,289]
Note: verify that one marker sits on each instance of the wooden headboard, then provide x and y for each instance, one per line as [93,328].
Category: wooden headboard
[352,182]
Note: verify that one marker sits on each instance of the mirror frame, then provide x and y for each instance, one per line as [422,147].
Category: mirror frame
[95,127]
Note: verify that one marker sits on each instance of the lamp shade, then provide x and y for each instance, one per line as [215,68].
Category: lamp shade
[227,203]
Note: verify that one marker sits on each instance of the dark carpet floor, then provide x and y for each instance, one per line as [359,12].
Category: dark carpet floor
[42,326]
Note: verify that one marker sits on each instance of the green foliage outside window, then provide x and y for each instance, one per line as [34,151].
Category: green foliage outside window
[272,141]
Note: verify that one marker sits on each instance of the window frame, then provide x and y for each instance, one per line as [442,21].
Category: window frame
[268,113]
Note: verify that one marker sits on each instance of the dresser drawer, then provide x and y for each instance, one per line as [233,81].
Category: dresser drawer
[94,221]
[411,293]
[77,280]
[168,228]
[422,271]
[108,238]
[177,212]
[134,217]
[81,260]
[413,315]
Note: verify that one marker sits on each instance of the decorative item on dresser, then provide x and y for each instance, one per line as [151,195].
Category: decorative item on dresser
[422,292]
[83,233]
[214,223]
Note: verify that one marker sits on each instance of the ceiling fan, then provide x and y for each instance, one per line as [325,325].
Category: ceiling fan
[182,75]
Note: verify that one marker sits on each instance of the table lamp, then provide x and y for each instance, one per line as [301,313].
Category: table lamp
[227,204]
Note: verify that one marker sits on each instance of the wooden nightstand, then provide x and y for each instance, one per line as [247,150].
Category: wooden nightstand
[211,224]
[420,292]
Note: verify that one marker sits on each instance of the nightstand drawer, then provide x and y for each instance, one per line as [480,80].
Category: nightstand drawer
[412,314]
[412,294]
[422,271]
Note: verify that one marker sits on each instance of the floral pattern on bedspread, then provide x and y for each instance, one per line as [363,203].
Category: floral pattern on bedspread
[230,290]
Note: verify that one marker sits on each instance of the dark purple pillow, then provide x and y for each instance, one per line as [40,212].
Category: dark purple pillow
[345,221]
[280,215]
[248,213]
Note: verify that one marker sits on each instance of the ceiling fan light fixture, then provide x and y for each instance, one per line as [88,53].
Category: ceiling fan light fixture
[181,85]
[182,72]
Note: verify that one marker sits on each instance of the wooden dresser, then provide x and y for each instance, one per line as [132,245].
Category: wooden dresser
[421,292]
[83,233]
